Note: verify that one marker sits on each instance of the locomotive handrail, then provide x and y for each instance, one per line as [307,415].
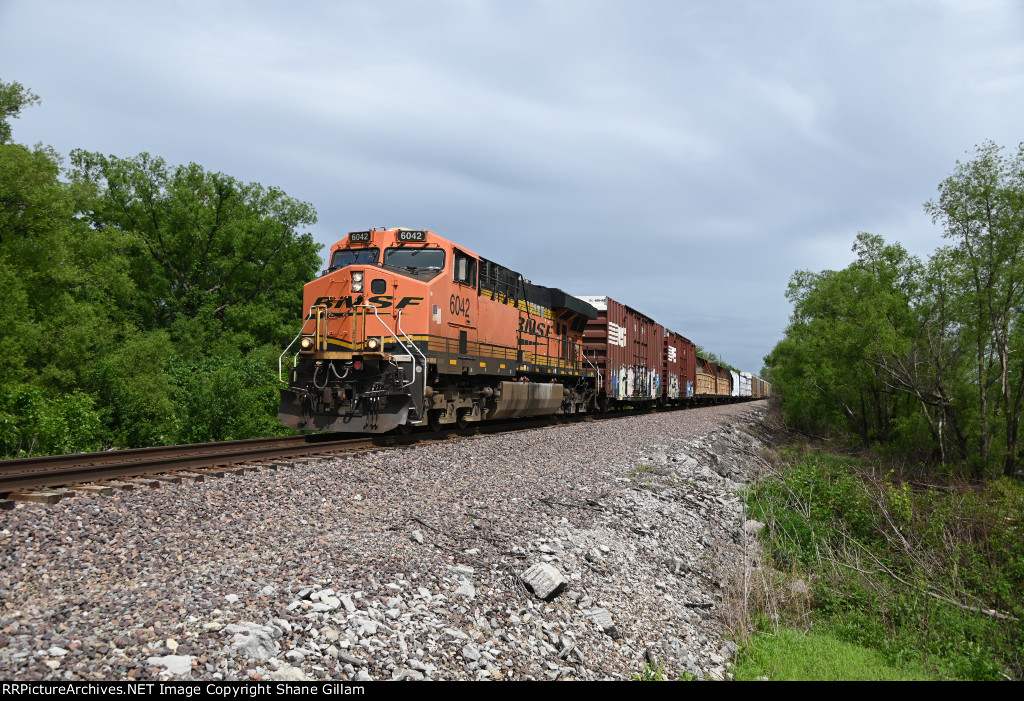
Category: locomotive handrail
[397,339]
[598,379]
[413,344]
[302,328]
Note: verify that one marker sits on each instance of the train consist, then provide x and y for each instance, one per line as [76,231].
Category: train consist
[406,328]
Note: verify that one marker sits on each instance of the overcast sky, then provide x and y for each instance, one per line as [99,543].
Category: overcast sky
[683,157]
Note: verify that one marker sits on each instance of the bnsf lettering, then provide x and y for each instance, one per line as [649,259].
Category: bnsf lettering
[533,328]
[346,302]
[379,301]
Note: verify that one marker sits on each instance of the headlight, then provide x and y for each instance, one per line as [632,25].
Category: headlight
[373,344]
[306,343]
[357,281]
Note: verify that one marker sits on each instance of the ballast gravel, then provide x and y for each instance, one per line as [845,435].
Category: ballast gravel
[406,563]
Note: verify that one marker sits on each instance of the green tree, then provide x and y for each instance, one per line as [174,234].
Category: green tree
[847,337]
[14,97]
[63,284]
[981,207]
[143,304]
[220,262]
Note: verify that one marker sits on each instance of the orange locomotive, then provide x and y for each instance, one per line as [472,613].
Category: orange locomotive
[405,329]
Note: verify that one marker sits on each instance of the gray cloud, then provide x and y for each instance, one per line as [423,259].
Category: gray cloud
[684,158]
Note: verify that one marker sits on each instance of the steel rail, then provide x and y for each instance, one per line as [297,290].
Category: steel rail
[80,468]
[62,470]
[108,457]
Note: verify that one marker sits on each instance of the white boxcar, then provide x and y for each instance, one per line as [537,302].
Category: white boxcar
[745,388]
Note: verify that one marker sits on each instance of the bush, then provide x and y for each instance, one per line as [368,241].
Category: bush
[900,568]
[36,422]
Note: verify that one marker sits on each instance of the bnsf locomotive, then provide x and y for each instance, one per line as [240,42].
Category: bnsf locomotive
[406,329]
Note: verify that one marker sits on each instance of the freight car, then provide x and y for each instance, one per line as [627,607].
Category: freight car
[705,379]
[723,383]
[679,369]
[405,328]
[626,347]
[745,378]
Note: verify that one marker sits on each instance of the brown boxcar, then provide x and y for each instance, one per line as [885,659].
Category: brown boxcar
[679,374]
[626,346]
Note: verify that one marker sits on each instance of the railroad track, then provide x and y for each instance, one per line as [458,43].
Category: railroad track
[34,479]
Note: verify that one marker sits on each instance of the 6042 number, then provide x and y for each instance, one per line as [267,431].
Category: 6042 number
[459,306]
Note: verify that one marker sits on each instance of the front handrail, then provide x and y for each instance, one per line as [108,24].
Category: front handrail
[411,342]
[394,336]
[280,376]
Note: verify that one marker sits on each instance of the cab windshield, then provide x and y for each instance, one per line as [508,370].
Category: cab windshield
[345,257]
[415,259]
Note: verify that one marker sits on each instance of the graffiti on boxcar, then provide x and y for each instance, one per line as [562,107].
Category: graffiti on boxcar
[635,382]
[673,386]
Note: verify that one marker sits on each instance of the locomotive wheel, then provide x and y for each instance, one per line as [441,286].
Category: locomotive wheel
[403,429]
[461,421]
[434,420]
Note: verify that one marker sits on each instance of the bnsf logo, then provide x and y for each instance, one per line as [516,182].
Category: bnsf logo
[379,301]
[533,328]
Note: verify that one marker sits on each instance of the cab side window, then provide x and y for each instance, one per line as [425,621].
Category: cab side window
[465,269]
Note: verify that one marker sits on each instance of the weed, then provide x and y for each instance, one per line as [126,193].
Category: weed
[650,673]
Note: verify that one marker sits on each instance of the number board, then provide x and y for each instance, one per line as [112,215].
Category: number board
[412,235]
[359,236]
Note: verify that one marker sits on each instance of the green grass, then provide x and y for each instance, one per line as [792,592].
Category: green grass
[791,655]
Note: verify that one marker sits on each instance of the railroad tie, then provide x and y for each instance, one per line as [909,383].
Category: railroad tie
[211,473]
[101,489]
[41,497]
[145,482]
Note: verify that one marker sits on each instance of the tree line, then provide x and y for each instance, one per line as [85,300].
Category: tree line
[921,357]
[142,303]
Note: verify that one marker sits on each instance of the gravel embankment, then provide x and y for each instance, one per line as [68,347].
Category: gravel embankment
[400,564]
